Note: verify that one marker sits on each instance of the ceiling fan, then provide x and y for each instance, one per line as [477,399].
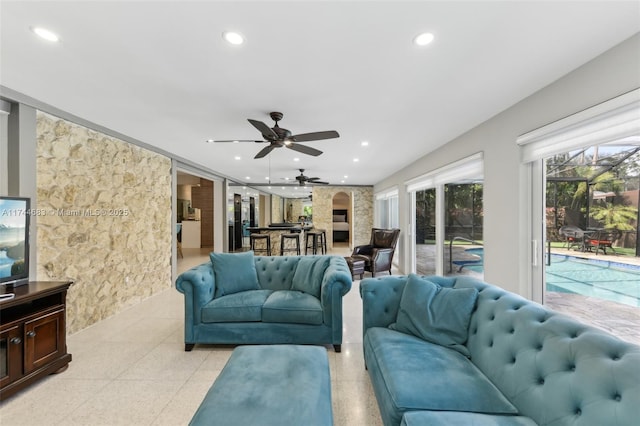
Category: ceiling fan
[303,180]
[277,137]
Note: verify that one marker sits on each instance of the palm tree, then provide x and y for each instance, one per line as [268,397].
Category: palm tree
[615,216]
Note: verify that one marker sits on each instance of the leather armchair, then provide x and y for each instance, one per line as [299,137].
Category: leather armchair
[378,254]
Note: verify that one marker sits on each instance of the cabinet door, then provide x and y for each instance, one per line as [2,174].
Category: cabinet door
[10,355]
[44,338]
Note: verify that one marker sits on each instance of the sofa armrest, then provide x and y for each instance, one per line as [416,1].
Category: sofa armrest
[336,282]
[381,258]
[381,300]
[198,286]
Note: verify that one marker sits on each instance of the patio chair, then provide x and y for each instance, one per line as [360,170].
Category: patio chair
[574,236]
[600,240]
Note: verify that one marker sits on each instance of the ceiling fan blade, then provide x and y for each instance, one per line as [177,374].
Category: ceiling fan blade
[315,136]
[264,151]
[238,140]
[313,178]
[266,131]
[304,149]
[319,182]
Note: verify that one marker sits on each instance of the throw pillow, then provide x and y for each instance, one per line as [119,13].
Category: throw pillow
[234,272]
[309,274]
[436,314]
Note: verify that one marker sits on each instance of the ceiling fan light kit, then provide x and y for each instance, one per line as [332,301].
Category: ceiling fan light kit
[277,137]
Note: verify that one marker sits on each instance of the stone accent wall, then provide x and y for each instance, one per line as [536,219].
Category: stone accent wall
[277,214]
[106,221]
[361,216]
[294,209]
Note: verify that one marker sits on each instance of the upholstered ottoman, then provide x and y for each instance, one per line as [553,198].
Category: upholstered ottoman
[270,385]
[356,266]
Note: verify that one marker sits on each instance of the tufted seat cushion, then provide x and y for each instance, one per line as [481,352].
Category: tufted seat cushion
[405,367]
[292,307]
[458,418]
[237,307]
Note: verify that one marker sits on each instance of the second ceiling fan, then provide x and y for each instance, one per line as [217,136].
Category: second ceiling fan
[304,180]
[277,137]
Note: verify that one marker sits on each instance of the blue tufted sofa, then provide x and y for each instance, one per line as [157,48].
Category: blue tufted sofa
[527,365]
[297,299]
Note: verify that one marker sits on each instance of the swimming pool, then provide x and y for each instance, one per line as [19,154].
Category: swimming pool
[603,279]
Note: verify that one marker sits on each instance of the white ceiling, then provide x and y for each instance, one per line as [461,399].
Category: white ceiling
[160,72]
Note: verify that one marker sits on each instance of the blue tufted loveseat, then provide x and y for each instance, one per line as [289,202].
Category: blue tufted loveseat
[298,299]
[527,365]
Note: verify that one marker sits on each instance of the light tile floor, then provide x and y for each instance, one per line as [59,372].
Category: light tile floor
[131,369]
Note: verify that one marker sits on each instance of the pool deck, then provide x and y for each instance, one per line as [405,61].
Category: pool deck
[618,319]
[589,255]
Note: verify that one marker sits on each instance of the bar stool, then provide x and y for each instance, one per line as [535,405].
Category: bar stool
[316,236]
[323,240]
[257,237]
[285,237]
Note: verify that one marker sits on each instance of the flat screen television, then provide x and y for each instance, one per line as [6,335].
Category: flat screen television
[14,240]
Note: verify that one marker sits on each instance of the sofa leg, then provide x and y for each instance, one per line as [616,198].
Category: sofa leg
[337,348]
[188,347]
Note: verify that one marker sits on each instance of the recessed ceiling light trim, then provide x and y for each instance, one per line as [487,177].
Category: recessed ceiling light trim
[46,34]
[233,37]
[423,39]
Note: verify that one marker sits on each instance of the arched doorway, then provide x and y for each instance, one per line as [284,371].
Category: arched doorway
[342,220]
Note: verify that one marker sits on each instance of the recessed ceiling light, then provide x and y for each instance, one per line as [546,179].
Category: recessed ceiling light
[296,159]
[46,34]
[364,143]
[233,37]
[355,160]
[209,141]
[346,176]
[423,39]
[248,177]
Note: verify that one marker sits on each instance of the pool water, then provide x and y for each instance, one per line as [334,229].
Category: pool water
[613,281]
[479,266]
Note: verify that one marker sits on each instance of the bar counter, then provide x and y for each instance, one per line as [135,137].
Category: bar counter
[275,232]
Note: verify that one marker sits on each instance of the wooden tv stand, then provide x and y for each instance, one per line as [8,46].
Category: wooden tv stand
[33,341]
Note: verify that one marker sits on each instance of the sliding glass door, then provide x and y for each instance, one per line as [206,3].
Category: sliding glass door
[425,241]
[447,219]
[463,244]
[584,187]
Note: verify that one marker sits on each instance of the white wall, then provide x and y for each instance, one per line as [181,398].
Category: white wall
[613,73]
